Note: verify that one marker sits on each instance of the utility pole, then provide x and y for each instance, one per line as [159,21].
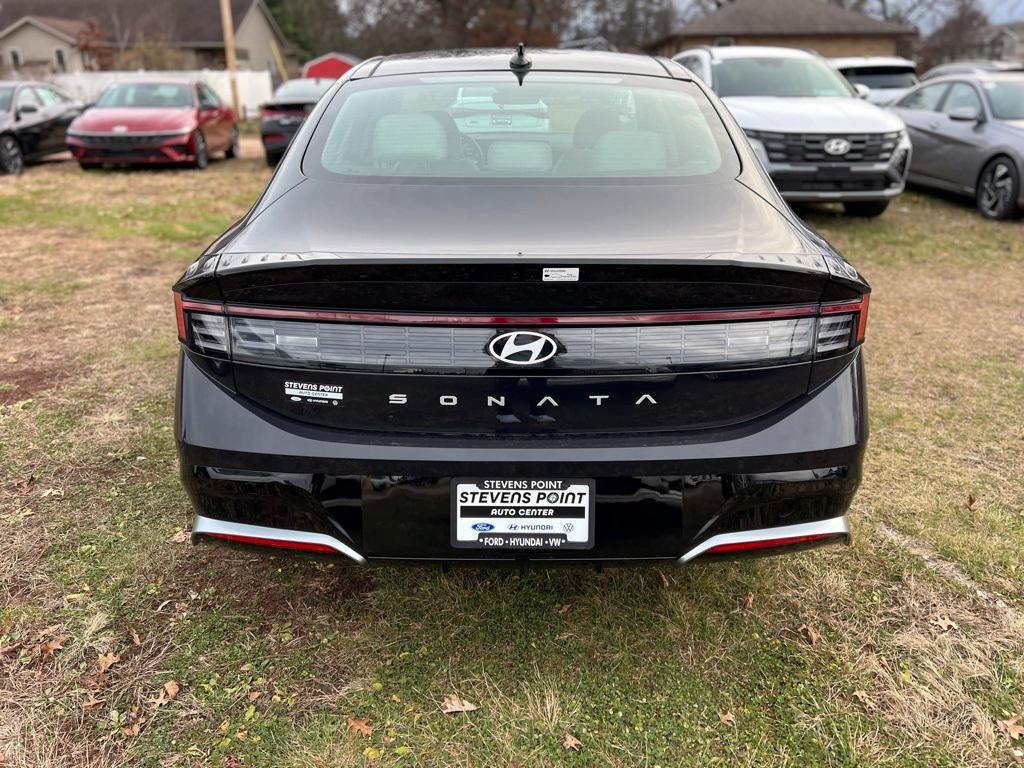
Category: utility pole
[229,51]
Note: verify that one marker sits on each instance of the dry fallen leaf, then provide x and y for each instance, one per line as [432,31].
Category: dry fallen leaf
[1012,727]
[564,608]
[180,537]
[253,695]
[809,633]
[454,703]
[136,640]
[748,601]
[571,742]
[663,579]
[91,702]
[362,727]
[106,661]
[134,728]
[865,700]
[47,649]
[943,622]
[971,501]
[727,718]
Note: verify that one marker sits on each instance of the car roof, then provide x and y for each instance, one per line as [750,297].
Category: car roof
[758,51]
[497,59]
[981,77]
[155,81]
[872,61]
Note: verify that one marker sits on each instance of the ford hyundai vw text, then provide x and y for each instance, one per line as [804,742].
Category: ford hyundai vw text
[569,318]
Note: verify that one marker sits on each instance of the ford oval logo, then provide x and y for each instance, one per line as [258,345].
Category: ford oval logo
[522,348]
[836,147]
[483,527]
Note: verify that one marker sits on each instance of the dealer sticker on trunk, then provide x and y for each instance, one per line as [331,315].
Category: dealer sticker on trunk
[523,514]
[312,392]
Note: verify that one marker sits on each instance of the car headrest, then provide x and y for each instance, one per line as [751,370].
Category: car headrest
[519,156]
[630,151]
[592,125]
[409,136]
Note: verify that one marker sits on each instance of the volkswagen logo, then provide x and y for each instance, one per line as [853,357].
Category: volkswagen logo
[522,348]
[836,147]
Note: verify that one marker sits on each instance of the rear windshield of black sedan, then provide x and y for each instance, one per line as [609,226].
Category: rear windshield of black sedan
[554,126]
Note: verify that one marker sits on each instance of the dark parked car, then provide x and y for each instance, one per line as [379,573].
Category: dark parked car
[968,134]
[281,117]
[609,339]
[154,122]
[34,118]
[972,67]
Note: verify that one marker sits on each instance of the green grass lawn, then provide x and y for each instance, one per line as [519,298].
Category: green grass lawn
[122,645]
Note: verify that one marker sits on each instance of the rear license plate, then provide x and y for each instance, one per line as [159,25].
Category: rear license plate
[522,514]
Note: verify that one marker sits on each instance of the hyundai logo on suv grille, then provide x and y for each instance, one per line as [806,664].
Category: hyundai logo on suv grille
[522,348]
[836,146]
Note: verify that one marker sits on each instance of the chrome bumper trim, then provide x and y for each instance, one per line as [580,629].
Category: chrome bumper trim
[821,527]
[209,526]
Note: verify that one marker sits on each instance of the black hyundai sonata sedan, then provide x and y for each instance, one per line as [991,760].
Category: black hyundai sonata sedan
[540,307]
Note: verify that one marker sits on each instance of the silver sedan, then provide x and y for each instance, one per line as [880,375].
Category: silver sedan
[968,137]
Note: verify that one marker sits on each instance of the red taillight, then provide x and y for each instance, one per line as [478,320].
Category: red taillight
[302,546]
[179,312]
[743,546]
[860,306]
[266,113]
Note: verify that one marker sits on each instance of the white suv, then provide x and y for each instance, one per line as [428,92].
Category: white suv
[819,141]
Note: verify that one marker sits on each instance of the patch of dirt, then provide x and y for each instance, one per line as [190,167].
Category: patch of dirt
[17,384]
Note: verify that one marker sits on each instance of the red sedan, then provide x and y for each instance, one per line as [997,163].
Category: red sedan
[154,122]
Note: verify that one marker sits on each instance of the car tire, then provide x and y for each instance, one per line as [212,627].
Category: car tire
[202,154]
[866,209]
[12,159]
[233,151]
[998,190]
[273,158]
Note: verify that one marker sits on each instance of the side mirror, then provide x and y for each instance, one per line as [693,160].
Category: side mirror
[862,90]
[28,109]
[966,115]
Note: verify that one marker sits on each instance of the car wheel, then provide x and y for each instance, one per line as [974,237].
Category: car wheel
[202,155]
[12,160]
[998,188]
[273,158]
[232,151]
[866,209]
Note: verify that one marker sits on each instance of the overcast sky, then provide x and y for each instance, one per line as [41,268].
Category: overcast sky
[1005,10]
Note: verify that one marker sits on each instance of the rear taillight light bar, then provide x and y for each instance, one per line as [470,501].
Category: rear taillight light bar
[204,325]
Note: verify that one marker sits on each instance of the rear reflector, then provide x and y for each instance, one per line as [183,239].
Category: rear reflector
[788,541]
[302,546]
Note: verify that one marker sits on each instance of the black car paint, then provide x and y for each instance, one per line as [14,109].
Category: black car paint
[758,463]
[39,132]
[281,119]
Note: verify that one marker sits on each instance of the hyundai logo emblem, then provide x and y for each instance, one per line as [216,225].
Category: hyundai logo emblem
[836,146]
[522,348]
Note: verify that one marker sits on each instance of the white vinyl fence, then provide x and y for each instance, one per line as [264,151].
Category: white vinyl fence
[254,88]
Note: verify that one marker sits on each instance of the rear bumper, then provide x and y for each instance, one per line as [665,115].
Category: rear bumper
[254,475]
